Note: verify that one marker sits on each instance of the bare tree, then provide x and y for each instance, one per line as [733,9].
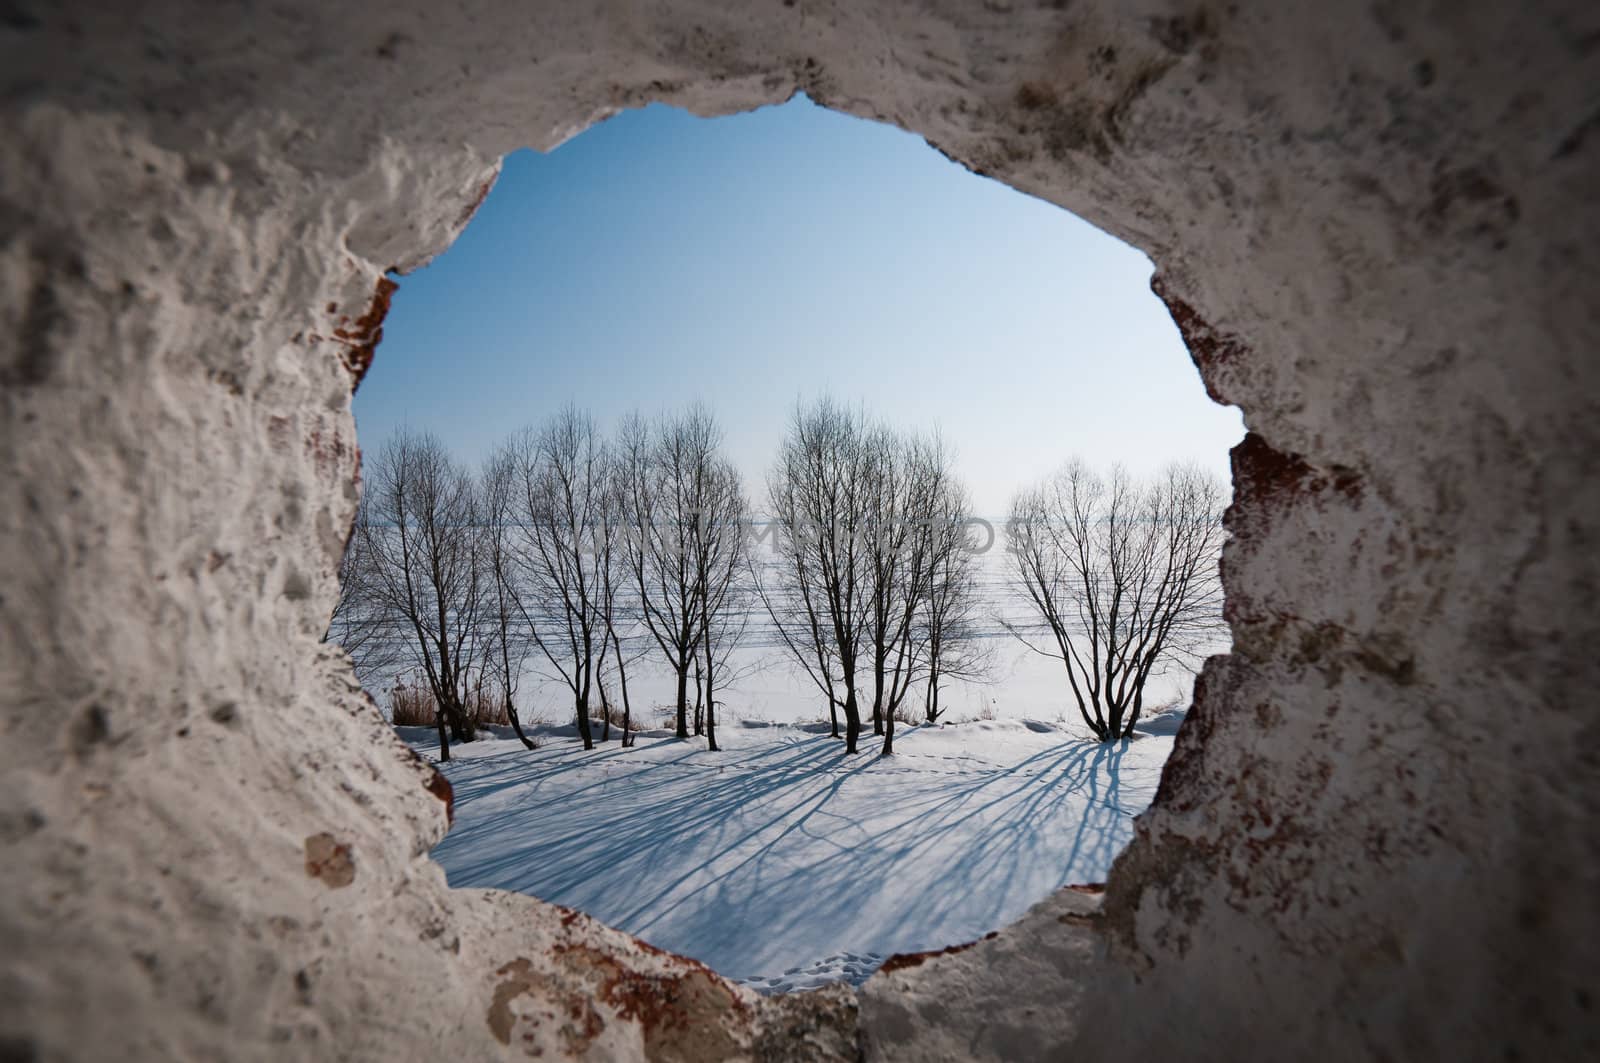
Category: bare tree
[361,623]
[950,627]
[677,491]
[1122,578]
[815,588]
[786,584]
[618,612]
[561,474]
[717,541]
[421,539]
[508,642]
[911,488]
[889,533]
[652,550]
[864,516]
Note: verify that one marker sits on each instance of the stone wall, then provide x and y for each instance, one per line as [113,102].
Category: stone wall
[1375,227]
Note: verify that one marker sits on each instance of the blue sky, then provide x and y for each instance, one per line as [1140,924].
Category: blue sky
[752,261]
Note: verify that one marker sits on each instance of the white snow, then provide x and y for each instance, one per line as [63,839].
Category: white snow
[783,863]
[1164,722]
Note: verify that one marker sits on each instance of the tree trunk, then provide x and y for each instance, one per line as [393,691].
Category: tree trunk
[699,694]
[877,695]
[888,735]
[447,706]
[1095,723]
[833,714]
[516,725]
[605,715]
[622,680]
[583,723]
[449,680]
[852,720]
[1113,724]
[711,704]
[683,700]
[1138,704]
[460,728]
[444,741]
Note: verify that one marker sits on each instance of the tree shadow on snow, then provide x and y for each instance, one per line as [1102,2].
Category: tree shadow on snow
[780,855]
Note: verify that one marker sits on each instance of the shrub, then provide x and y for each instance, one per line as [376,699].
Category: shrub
[614,715]
[412,706]
[487,707]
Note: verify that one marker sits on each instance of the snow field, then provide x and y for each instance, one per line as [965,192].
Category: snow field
[781,854]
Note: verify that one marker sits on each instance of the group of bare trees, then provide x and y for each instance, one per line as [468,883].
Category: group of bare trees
[581,556]
[873,588]
[870,586]
[686,518]
[420,578]
[570,553]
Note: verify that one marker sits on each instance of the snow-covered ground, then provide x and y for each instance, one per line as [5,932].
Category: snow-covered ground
[761,684]
[781,862]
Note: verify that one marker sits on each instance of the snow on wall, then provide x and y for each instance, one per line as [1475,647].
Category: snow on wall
[1373,224]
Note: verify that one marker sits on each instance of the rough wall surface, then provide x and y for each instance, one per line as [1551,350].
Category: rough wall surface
[1375,227]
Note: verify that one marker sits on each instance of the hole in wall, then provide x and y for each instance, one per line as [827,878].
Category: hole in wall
[751,267]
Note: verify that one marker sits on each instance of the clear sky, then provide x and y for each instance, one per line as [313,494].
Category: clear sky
[752,261]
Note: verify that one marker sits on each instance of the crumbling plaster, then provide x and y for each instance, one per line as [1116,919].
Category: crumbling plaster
[1375,226]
